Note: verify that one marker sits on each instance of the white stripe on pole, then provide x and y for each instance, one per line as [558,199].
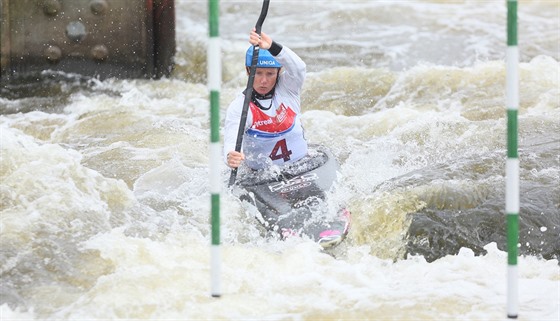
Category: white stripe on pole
[512,293]
[214,64]
[215,265]
[215,164]
[512,80]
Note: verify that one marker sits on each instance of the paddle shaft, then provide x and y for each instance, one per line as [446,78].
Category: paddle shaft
[249,90]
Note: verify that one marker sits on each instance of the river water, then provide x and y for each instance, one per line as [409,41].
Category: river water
[104,184]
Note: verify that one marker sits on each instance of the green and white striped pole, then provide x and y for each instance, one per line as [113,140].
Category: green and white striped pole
[512,164]
[214,83]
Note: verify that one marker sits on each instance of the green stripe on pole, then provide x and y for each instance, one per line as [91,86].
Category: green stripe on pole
[214,116]
[215,199]
[512,23]
[512,133]
[513,228]
[214,13]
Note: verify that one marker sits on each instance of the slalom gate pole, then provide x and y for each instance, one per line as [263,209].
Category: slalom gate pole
[512,163]
[214,83]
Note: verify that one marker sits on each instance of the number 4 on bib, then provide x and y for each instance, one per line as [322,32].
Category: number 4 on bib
[280,150]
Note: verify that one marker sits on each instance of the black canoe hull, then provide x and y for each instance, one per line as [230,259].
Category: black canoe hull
[294,201]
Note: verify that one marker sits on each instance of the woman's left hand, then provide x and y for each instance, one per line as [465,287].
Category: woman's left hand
[264,41]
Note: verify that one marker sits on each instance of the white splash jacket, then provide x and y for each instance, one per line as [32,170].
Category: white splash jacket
[275,135]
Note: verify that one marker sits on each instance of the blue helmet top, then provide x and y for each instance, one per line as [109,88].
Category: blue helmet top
[266,60]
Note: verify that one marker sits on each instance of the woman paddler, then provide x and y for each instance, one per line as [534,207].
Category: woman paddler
[273,132]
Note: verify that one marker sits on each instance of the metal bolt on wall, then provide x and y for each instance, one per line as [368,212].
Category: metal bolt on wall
[98,38]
